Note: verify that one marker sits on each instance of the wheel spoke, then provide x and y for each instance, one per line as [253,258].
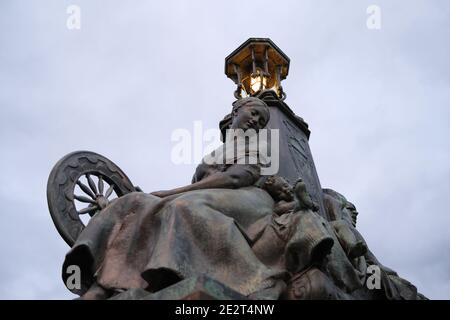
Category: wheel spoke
[101,185]
[109,191]
[84,199]
[91,183]
[86,189]
[89,209]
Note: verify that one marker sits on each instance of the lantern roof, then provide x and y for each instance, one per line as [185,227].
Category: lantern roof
[242,57]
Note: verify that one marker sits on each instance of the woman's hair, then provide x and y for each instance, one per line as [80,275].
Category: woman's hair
[227,120]
[250,101]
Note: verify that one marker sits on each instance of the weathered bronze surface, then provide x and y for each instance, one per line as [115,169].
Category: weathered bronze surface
[233,233]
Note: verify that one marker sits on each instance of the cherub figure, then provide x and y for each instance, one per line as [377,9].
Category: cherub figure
[288,198]
[293,237]
[281,192]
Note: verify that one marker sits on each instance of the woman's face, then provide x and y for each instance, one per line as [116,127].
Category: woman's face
[250,117]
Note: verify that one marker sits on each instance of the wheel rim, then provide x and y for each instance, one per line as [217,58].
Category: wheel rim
[66,190]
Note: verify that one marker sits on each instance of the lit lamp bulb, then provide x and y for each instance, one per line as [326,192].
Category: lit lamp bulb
[258,83]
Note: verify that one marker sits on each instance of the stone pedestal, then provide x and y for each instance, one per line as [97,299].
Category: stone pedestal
[295,155]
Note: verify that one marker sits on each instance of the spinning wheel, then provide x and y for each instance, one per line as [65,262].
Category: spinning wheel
[82,183]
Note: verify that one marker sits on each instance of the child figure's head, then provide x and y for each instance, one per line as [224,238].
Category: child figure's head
[279,188]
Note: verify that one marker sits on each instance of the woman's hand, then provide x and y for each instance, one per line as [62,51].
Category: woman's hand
[236,176]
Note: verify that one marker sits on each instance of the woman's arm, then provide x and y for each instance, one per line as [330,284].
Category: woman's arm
[236,176]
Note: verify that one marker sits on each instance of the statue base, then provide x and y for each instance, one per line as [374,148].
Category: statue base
[197,288]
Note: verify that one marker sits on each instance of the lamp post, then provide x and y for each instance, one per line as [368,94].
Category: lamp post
[257,67]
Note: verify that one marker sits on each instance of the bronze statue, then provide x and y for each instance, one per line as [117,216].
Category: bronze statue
[256,235]
[235,232]
[152,241]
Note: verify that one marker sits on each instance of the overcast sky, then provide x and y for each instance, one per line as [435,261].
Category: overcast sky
[377,102]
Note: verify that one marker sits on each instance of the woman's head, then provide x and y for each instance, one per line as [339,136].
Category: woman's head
[249,113]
